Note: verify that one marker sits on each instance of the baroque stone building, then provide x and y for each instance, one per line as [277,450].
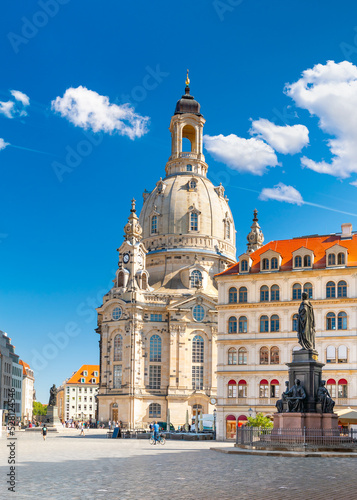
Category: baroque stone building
[158,323]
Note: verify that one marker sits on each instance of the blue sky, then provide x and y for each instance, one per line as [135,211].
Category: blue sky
[113,72]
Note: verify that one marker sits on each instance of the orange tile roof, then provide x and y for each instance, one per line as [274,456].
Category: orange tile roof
[318,244]
[90,369]
[24,366]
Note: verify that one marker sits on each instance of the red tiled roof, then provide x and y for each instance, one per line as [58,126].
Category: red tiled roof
[90,369]
[318,244]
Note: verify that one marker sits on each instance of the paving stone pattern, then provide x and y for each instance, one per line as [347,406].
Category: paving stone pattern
[68,467]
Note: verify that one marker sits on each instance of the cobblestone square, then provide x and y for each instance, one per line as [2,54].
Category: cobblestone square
[68,466]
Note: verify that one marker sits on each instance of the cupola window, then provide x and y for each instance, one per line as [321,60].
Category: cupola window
[154,224]
[193,221]
[196,278]
[193,184]
[189,168]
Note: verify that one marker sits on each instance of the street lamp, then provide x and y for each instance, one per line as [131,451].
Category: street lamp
[250,412]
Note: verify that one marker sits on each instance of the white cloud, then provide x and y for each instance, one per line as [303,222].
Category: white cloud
[20,96]
[287,140]
[3,144]
[88,109]
[7,109]
[282,192]
[244,155]
[330,92]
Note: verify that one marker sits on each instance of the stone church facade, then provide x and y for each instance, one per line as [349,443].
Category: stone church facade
[158,323]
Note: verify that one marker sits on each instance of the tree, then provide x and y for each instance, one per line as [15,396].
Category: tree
[260,421]
[39,408]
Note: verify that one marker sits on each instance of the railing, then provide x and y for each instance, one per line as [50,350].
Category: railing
[187,155]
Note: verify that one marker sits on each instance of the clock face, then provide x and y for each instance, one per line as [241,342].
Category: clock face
[140,259]
[213,401]
[126,258]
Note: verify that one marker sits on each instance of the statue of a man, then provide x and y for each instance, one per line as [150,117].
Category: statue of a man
[295,397]
[306,324]
[53,396]
[323,397]
[280,403]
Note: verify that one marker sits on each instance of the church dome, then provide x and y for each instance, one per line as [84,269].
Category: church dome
[187,104]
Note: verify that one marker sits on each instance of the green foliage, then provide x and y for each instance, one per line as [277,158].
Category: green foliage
[39,408]
[260,421]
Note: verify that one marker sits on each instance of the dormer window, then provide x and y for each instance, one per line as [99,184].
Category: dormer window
[244,265]
[265,264]
[274,263]
[336,256]
[307,261]
[85,373]
[332,259]
[341,261]
[298,261]
[83,380]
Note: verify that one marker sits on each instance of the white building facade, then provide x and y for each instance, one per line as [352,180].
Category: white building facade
[28,381]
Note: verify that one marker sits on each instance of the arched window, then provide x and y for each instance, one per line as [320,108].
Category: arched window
[244,265]
[155,348]
[144,281]
[193,184]
[342,321]
[118,348]
[232,295]
[308,290]
[342,289]
[331,354]
[274,263]
[264,293]
[243,294]
[243,324]
[295,322]
[120,279]
[231,427]
[194,221]
[264,324]
[342,388]
[264,356]
[154,410]
[264,388]
[228,230]
[297,291]
[232,389]
[265,264]
[297,261]
[307,261]
[232,356]
[331,321]
[232,325]
[341,259]
[154,224]
[242,389]
[195,278]
[331,387]
[242,356]
[275,292]
[197,362]
[332,259]
[342,354]
[274,323]
[330,290]
[274,388]
[274,355]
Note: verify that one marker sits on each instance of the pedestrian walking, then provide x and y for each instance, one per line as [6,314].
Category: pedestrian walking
[44,432]
[82,430]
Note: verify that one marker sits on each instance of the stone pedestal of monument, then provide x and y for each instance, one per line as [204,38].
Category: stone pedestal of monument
[52,420]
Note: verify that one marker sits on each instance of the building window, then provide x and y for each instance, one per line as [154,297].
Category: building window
[193,221]
[228,230]
[118,348]
[155,349]
[342,289]
[308,290]
[195,279]
[117,376]
[264,294]
[331,387]
[264,389]
[341,259]
[188,168]
[330,354]
[155,317]
[274,323]
[198,313]
[197,377]
[307,261]
[275,293]
[193,184]
[232,325]
[154,410]
[243,294]
[242,356]
[295,322]
[298,261]
[342,321]
[297,291]
[154,376]
[274,388]
[342,354]
[232,389]
[264,356]
[197,358]
[331,321]
[232,356]
[243,324]
[242,389]
[244,265]
[265,264]
[116,313]
[331,259]
[342,388]
[264,324]
[274,355]
[274,263]
[232,295]
[154,224]
[330,290]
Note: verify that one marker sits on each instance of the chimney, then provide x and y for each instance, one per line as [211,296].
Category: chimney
[346,229]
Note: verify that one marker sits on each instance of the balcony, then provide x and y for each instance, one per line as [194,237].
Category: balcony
[188,155]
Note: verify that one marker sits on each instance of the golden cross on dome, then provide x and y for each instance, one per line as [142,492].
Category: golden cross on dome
[187,79]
